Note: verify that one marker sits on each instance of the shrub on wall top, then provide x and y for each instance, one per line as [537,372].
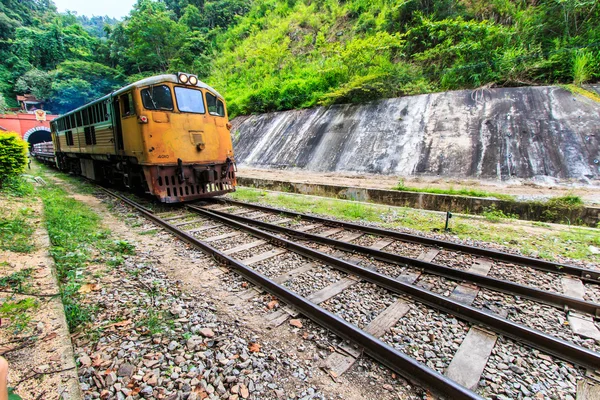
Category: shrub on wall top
[13,155]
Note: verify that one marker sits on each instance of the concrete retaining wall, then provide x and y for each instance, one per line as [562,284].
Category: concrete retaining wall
[534,211]
[494,133]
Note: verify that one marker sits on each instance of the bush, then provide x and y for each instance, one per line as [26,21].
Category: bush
[13,155]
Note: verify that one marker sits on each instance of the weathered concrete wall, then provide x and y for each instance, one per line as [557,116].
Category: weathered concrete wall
[528,210]
[495,133]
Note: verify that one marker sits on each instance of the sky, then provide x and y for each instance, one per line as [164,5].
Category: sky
[112,8]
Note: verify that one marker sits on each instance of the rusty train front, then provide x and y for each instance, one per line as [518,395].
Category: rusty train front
[167,134]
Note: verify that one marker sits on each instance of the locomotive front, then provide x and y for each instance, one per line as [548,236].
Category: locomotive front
[187,148]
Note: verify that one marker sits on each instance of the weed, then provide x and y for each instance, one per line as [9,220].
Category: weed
[17,281]
[15,234]
[154,321]
[149,232]
[123,247]
[16,186]
[494,215]
[451,191]
[18,312]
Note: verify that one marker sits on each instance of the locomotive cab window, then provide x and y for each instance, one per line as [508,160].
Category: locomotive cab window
[189,100]
[157,98]
[126,101]
[215,106]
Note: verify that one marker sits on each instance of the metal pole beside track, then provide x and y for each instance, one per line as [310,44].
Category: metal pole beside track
[380,351]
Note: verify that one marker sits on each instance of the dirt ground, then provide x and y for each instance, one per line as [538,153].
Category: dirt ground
[522,189]
[40,356]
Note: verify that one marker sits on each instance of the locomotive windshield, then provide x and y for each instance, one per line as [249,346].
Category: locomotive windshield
[189,100]
[157,98]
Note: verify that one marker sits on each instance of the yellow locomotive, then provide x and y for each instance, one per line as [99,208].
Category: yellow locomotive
[167,134]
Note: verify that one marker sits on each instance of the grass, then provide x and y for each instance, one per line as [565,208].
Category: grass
[16,231]
[581,91]
[17,281]
[77,237]
[456,192]
[535,239]
[494,215]
[19,313]
[16,227]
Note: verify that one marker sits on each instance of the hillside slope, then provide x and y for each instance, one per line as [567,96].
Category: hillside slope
[295,54]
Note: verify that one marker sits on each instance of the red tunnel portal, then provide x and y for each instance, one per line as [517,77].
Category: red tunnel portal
[28,126]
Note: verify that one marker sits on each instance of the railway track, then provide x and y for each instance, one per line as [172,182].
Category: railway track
[244,241]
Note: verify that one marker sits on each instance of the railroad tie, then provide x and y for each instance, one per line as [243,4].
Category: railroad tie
[349,237]
[471,357]
[412,277]
[281,221]
[345,355]
[330,232]
[246,246]
[381,244]
[582,325]
[220,237]
[192,221]
[203,228]
[263,256]
[173,218]
[309,227]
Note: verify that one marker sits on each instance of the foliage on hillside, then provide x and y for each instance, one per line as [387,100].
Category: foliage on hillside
[289,54]
[269,55]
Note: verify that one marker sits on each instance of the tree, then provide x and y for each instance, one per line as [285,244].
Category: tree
[154,37]
[35,82]
[78,82]
[70,94]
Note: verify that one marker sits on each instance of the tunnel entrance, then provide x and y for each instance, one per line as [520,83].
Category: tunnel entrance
[37,135]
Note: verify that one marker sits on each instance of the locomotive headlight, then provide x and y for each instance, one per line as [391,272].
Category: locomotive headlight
[193,80]
[183,78]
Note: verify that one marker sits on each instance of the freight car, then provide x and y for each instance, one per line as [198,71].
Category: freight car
[44,152]
[167,134]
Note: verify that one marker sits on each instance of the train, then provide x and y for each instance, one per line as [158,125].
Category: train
[168,135]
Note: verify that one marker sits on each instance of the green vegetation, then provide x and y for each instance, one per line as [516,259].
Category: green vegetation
[16,230]
[451,191]
[275,55]
[77,237]
[19,313]
[494,215]
[536,239]
[17,281]
[13,155]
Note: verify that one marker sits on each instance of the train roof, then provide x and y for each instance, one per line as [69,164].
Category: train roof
[152,80]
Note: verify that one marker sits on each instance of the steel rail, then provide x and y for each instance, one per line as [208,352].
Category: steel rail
[547,297]
[534,338]
[380,351]
[585,274]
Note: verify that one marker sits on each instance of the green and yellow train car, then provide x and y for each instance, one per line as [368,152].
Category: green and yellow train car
[167,134]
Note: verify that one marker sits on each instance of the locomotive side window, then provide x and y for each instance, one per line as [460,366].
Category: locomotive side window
[104,112]
[157,98]
[215,106]
[189,100]
[126,101]
[86,119]
[78,118]
[69,138]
